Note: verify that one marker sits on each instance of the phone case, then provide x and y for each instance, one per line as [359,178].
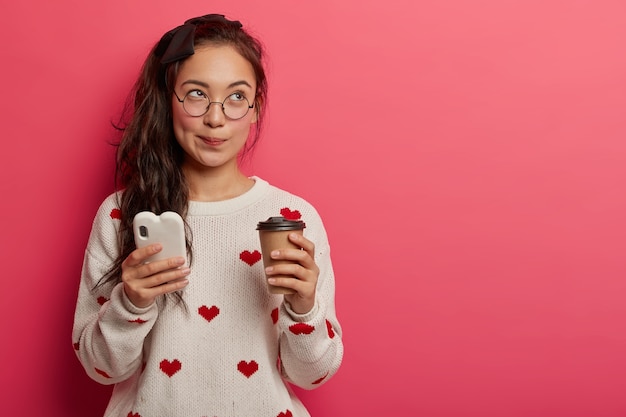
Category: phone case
[168,229]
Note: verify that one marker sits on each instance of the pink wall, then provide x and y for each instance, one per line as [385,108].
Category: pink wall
[469,158]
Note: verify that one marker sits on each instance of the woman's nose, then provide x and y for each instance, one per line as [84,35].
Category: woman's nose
[215,115]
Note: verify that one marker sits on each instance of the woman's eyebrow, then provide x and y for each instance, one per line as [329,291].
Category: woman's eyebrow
[196,82]
[238,83]
[205,85]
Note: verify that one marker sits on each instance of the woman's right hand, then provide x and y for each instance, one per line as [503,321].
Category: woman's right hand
[144,282]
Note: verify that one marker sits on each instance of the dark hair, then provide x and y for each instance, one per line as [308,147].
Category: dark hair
[149,158]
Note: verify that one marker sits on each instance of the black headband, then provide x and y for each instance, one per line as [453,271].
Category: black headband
[178,42]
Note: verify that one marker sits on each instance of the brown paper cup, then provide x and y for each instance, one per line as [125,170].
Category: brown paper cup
[273,234]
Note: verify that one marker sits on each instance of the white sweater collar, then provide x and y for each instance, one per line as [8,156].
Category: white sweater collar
[217,208]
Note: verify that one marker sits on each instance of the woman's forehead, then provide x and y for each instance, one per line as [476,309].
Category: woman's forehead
[215,66]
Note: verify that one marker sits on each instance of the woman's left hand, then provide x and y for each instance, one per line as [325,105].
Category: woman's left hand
[304,270]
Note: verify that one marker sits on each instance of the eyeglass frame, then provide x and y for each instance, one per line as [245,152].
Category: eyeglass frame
[208,106]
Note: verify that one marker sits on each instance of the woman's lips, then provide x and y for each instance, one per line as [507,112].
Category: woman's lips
[213,141]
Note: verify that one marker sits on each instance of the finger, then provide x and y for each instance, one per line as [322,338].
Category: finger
[144,297]
[156,267]
[296,256]
[285,282]
[302,242]
[170,276]
[172,286]
[303,290]
[140,255]
[289,270]
[155,273]
[156,280]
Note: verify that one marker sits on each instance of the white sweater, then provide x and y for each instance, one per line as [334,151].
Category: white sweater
[236,347]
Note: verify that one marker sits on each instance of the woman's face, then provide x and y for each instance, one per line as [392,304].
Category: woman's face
[213,141]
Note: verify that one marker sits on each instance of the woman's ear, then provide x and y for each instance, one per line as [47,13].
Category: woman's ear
[258,103]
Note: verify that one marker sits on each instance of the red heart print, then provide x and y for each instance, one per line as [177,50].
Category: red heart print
[329,327]
[170,368]
[208,313]
[116,214]
[76,346]
[290,215]
[250,257]
[131,414]
[317,381]
[285,414]
[137,320]
[101,372]
[301,328]
[102,300]
[247,368]
[275,315]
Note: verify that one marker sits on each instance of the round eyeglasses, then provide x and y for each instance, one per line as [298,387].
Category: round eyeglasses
[196,104]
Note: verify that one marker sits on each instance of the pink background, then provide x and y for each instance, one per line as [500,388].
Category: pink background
[468,158]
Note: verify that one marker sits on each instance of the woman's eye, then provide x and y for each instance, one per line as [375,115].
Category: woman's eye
[196,94]
[237,97]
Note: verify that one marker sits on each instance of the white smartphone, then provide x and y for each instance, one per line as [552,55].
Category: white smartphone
[168,229]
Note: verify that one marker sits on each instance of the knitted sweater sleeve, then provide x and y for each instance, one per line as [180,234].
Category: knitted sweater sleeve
[108,331]
[311,347]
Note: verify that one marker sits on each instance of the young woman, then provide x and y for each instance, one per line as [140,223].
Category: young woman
[203,338]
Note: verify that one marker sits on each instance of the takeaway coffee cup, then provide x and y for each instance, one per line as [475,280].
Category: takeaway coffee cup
[273,234]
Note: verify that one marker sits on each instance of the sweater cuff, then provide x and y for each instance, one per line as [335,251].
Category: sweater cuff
[301,318]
